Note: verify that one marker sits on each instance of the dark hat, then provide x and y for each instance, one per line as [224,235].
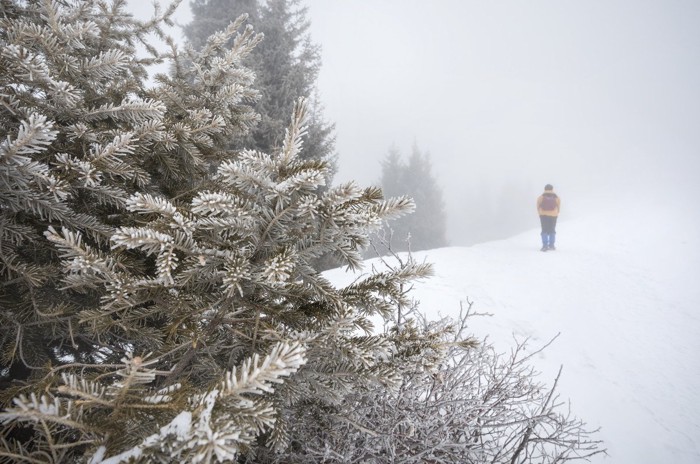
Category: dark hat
[548,187]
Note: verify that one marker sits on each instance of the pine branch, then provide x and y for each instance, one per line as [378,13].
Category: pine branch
[106,65]
[34,135]
[394,208]
[147,203]
[293,138]
[256,378]
[82,257]
[144,238]
[44,408]
[133,110]
[219,204]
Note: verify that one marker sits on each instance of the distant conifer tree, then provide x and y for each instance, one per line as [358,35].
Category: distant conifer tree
[286,64]
[426,228]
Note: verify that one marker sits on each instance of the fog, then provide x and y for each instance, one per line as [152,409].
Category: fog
[595,97]
[599,98]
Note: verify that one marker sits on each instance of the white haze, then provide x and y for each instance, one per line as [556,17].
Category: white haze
[595,97]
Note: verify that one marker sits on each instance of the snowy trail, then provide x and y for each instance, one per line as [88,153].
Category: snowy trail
[625,309]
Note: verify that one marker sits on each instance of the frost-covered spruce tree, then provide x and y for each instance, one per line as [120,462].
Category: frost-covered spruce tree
[154,312]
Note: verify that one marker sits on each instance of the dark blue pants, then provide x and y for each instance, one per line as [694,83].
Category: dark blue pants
[549,233]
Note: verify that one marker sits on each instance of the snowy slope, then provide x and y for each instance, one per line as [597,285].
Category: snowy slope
[623,293]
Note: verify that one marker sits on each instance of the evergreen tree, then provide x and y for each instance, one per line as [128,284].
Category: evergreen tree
[426,228]
[286,64]
[150,308]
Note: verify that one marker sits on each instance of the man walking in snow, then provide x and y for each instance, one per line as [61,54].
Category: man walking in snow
[548,208]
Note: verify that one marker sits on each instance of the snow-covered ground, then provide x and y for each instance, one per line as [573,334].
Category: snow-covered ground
[623,292]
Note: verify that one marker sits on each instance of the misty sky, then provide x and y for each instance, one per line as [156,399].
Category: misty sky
[593,96]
